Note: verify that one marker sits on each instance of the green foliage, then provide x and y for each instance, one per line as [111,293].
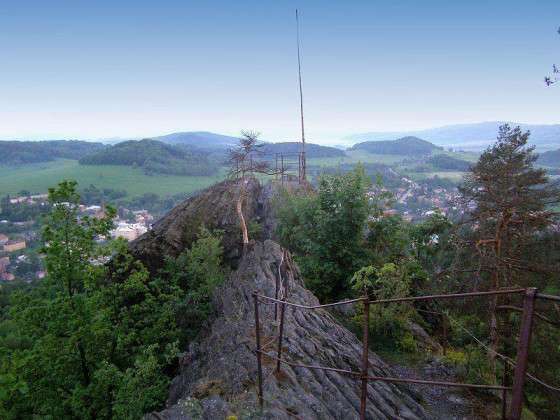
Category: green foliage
[199,272]
[155,157]
[21,152]
[93,195]
[448,163]
[254,229]
[326,231]
[21,212]
[388,322]
[388,238]
[411,146]
[471,364]
[311,150]
[93,340]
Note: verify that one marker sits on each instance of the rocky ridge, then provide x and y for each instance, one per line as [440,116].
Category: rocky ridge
[218,374]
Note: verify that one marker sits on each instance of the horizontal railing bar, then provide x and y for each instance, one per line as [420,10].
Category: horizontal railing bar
[297,305]
[449,296]
[548,297]
[385,378]
[346,372]
[406,299]
[436,383]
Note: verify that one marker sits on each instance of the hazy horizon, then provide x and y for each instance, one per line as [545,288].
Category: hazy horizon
[137,69]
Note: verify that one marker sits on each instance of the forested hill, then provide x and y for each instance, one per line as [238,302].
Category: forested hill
[551,158]
[448,163]
[311,150]
[475,136]
[199,139]
[154,157]
[20,152]
[408,146]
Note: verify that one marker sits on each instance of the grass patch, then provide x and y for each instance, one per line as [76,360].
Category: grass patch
[38,177]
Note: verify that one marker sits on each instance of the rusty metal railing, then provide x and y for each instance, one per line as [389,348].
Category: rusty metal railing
[520,366]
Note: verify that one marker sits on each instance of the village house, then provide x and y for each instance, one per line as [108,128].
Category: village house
[3,239]
[14,245]
[129,231]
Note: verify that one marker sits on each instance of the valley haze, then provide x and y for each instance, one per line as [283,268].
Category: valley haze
[469,137]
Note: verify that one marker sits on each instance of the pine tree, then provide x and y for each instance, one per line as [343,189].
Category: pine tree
[509,204]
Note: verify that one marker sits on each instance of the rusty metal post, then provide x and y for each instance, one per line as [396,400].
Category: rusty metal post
[504,391]
[522,354]
[280,337]
[444,322]
[258,352]
[365,359]
[276,297]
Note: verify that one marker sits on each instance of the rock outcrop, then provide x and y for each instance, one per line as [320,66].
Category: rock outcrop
[222,368]
[213,208]
[218,374]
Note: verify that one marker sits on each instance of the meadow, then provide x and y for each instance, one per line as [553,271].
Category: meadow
[38,177]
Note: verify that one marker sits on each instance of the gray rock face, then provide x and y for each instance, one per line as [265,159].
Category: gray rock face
[218,375]
[213,208]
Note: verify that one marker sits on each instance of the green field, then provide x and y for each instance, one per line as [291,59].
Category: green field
[37,178]
[357,156]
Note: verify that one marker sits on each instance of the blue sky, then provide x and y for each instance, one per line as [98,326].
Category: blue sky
[94,69]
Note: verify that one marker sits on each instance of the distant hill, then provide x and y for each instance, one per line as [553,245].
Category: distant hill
[406,146]
[550,158]
[200,139]
[154,157]
[475,136]
[20,152]
[448,163]
[311,150]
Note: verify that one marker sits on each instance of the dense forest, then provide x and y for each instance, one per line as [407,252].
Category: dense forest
[20,152]
[408,146]
[448,163]
[155,157]
[94,340]
[293,148]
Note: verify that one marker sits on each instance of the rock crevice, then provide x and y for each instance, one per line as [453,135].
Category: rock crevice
[223,364]
[218,373]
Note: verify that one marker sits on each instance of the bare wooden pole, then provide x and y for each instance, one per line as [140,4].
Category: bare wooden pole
[303,169]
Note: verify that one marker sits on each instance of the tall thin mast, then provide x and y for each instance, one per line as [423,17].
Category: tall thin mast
[302,157]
